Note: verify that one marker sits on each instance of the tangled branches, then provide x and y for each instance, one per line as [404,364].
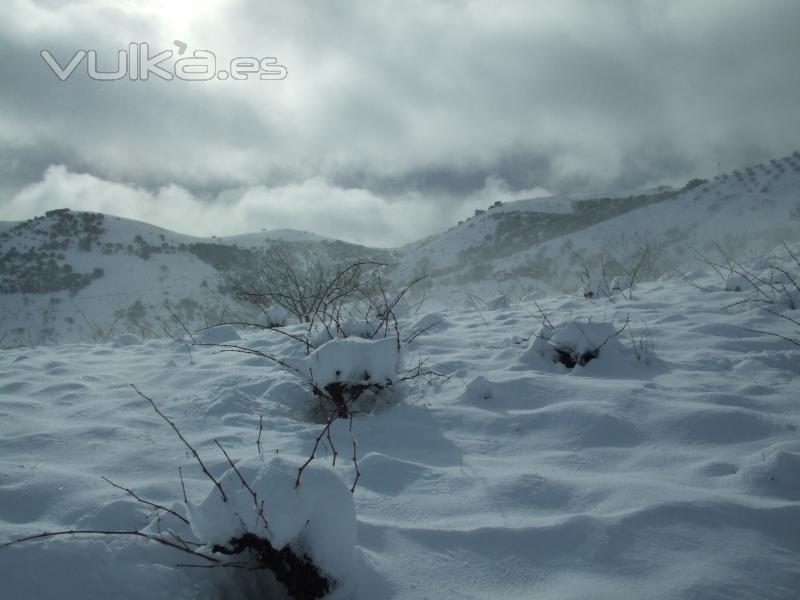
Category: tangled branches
[253,551]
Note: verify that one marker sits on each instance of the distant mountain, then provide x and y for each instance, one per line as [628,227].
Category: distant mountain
[545,242]
[74,276]
[78,276]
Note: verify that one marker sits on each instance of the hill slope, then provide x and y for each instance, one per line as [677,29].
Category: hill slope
[520,245]
[71,276]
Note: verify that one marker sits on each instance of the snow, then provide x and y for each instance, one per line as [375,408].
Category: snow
[597,349]
[317,517]
[220,334]
[276,315]
[499,303]
[737,283]
[352,360]
[509,477]
[520,247]
[126,339]
[582,337]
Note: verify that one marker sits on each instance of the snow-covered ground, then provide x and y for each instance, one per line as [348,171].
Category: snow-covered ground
[667,467]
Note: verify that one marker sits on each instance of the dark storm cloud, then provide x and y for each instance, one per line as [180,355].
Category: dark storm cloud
[517,167]
[390,105]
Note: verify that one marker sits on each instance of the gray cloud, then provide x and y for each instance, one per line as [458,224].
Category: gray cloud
[386,103]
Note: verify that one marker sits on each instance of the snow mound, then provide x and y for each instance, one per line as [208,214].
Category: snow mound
[432,322]
[127,339]
[218,335]
[352,361]
[580,338]
[317,518]
[479,388]
[778,475]
[575,344]
[594,287]
[276,316]
[179,335]
[737,283]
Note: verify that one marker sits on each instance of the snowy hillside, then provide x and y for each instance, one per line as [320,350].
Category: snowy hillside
[522,246]
[71,276]
[668,466]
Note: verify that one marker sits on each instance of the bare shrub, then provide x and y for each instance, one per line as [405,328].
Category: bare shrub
[774,289]
[775,284]
[251,550]
[341,373]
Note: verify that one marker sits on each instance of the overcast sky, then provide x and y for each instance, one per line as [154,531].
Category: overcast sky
[395,119]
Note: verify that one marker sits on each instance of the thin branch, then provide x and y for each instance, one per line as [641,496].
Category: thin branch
[355,459]
[544,315]
[178,319]
[146,502]
[796,342]
[183,486]
[260,509]
[419,332]
[613,335]
[243,350]
[791,254]
[221,565]
[417,372]
[643,255]
[135,533]
[260,429]
[187,444]
[302,340]
[397,299]
[781,315]
[313,451]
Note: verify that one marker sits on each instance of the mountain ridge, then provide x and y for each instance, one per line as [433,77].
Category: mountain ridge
[73,276]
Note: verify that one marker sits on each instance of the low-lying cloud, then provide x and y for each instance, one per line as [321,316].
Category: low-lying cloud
[354,215]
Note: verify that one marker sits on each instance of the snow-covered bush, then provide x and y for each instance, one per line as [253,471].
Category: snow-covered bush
[737,283]
[305,535]
[353,361]
[774,280]
[620,283]
[772,284]
[594,287]
[347,375]
[255,517]
[276,316]
[605,283]
[349,362]
[574,344]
